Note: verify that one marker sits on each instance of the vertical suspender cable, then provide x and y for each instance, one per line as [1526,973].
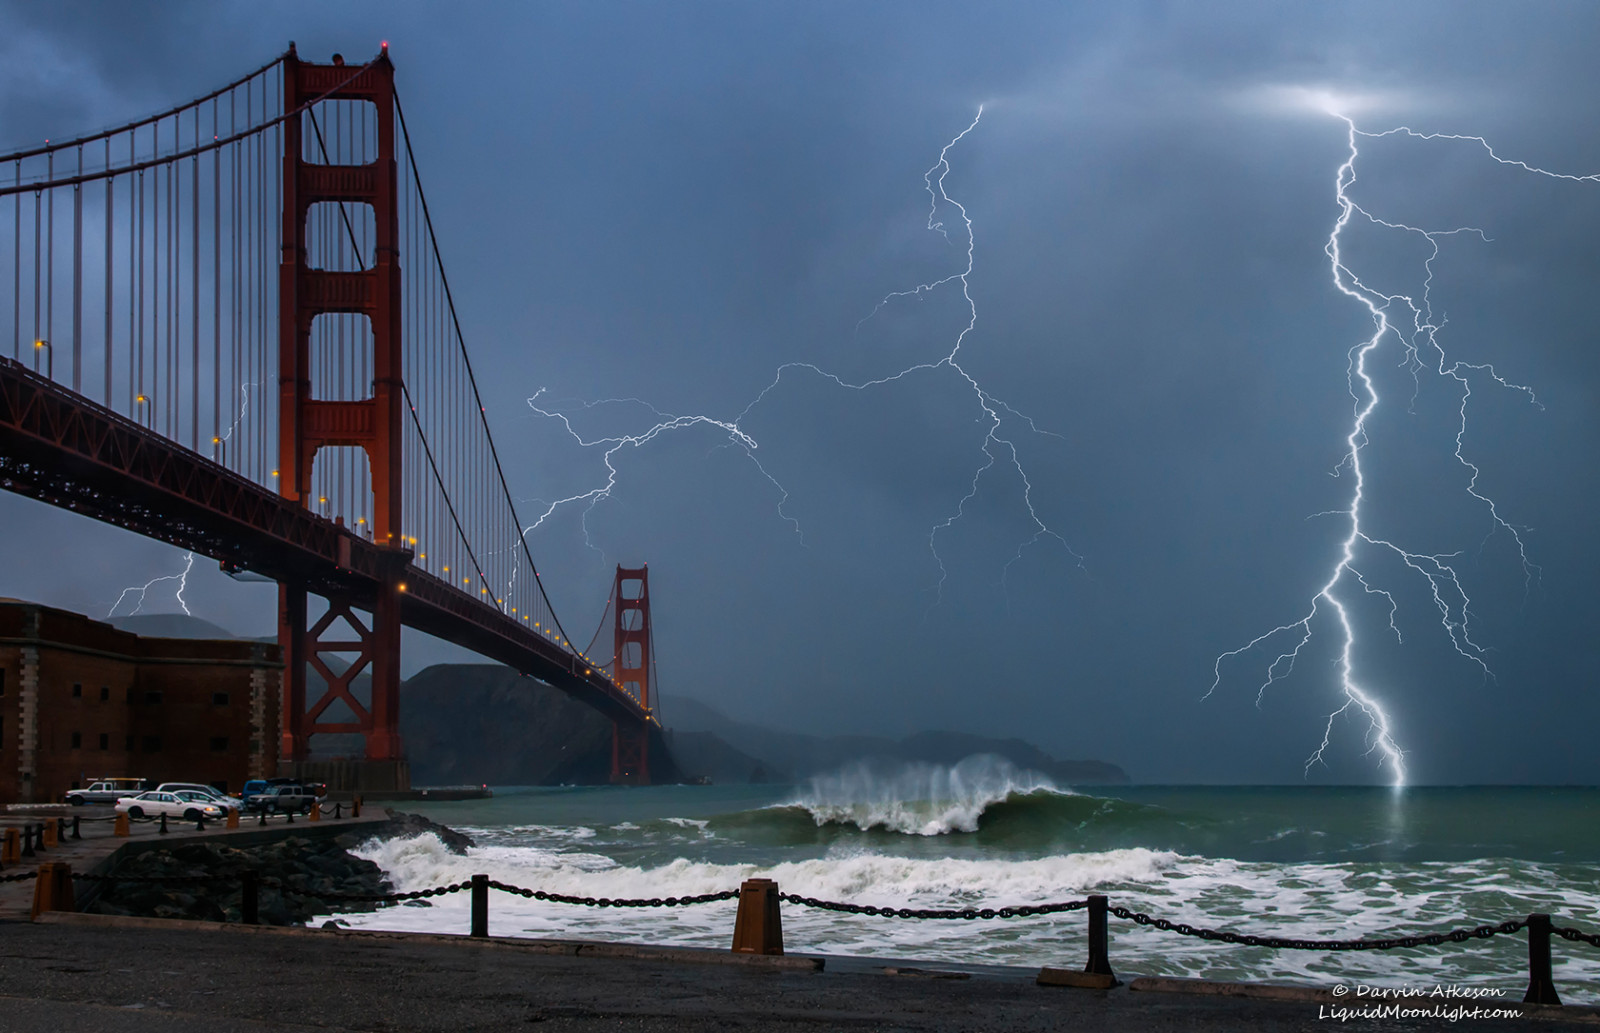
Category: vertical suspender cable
[111,204]
[77,279]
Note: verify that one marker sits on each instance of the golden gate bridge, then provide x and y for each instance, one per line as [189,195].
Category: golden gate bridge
[231,330]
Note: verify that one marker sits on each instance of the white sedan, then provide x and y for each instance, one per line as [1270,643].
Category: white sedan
[173,805]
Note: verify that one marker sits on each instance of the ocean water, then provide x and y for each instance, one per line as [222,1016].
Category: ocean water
[1311,862]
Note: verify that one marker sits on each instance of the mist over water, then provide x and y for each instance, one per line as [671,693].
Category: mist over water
[1332,863]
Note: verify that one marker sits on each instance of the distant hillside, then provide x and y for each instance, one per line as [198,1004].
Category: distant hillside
[793,755]
[169,625]
[486,724]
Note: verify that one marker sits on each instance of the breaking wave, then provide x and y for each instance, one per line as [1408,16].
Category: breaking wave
[921,799]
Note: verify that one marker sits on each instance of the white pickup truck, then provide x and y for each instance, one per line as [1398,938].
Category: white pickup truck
[107,790]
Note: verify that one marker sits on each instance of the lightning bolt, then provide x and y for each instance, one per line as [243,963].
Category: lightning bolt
[1416,329]
[997,447]
[181,577]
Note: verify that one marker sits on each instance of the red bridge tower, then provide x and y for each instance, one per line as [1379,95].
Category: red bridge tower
[630,742]
[306,425]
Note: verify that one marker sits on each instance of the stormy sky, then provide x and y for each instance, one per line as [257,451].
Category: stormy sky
[668,203]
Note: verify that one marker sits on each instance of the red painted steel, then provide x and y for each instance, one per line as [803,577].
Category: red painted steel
[66,450]
[630,741]
[374,424]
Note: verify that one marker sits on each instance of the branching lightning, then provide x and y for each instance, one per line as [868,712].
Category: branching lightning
[1415,328]
[997,447]
[181,577]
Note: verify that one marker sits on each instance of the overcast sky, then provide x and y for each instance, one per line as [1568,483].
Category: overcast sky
[670,202]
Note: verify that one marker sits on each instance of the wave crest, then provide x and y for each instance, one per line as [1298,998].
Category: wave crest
[920,799]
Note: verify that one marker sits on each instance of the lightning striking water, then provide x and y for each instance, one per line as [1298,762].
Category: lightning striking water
[181,577]
[997,446]
[1415,328]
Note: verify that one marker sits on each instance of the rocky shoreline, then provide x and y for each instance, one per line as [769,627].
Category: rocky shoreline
[292,872]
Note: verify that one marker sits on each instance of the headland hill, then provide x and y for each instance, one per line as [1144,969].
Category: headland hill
[484,724]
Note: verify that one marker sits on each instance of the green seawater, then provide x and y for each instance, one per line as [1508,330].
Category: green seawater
[1294,861]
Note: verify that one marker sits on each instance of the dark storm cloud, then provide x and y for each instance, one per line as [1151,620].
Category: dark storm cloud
[669,202]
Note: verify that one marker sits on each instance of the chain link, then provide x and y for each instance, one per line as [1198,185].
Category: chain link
[24,877]
[1577,935]
[562,898]
[1481,932]
[970,913]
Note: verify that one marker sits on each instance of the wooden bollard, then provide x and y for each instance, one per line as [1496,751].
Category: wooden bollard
[355,807]
[316,810]
[11,847]
[758,928]
[47,834]
[52,889]
[122,826]
[233,818]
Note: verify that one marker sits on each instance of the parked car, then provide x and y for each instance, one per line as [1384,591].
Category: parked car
[212,793]
[173,805]
[107,790]
[283,799]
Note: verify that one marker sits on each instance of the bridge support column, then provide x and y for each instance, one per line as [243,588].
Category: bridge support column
[630,742]
[308,424]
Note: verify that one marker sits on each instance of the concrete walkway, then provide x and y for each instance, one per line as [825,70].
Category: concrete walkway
[102,975]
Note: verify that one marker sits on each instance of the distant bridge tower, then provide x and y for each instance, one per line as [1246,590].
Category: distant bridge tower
[630,742]
[307,424]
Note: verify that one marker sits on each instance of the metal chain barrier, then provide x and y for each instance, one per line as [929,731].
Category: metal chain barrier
[968,914]
[368,898]
[1481,932]
[562,898]
[23,877]
[1577,935]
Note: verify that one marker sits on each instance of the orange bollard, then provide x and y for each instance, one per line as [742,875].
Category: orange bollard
[758,928]
[52,889]
[316,810]
[355,807]
[48,831]
[233,818]
[11,847]
[122,827]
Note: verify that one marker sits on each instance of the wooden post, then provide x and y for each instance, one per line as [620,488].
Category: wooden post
[122,827]
[52,889]
[11,848]
[233,818]
[47,834]
[758,928]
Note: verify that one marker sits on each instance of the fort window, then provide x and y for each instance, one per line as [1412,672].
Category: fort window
[77,740]
[130,694]
[105,693]
[77,690]
[2,681]
[105,741]
[219,699]
[219,744]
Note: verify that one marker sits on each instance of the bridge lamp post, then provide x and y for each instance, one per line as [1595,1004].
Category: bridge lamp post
[221,450]
[41,345]
[142,413]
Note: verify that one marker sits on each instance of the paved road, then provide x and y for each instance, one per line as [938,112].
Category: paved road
[91,978]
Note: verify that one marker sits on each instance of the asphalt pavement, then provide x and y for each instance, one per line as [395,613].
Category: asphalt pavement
[92,975]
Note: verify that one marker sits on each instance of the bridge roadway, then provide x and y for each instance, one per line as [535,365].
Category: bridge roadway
[64,449]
